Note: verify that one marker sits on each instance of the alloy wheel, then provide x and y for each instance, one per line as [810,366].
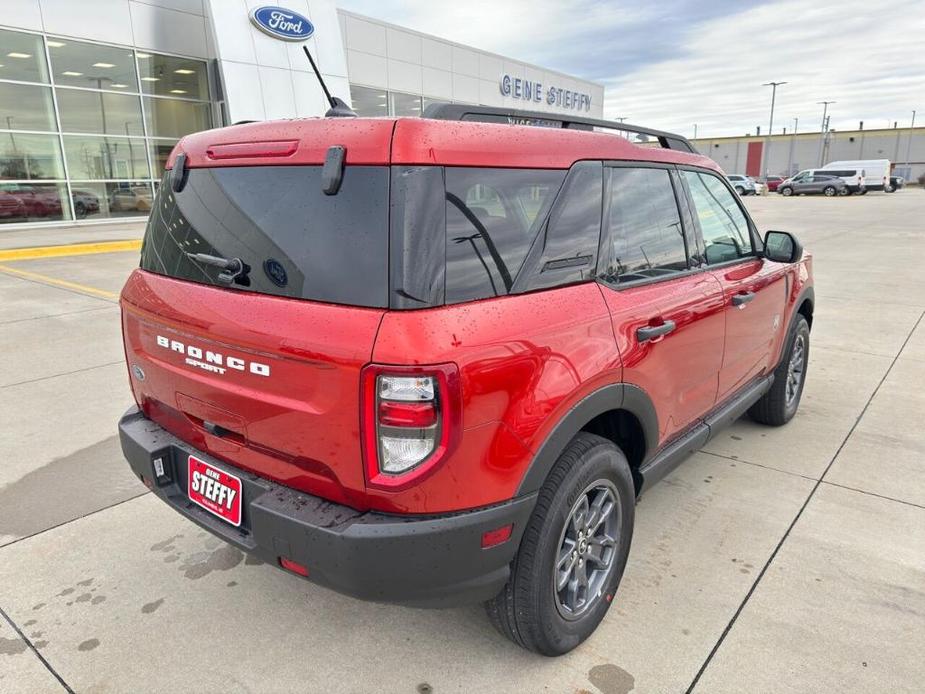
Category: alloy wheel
[587,547]
[795,369]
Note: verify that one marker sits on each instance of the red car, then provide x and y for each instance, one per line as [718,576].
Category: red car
[436,360]
[772,182]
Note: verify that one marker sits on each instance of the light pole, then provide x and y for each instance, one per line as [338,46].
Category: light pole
[909,145]
[767,147]
[825,109]
[695,131]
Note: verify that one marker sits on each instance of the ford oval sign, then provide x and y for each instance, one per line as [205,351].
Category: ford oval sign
[281,23]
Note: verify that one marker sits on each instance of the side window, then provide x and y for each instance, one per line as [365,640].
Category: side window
[492,218]
[566,249]
[645,237]
[724,227]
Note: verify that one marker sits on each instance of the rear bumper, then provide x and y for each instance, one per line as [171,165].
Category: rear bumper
[425,561]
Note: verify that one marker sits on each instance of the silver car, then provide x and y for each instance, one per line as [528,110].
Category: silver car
[744,185]
[807,183]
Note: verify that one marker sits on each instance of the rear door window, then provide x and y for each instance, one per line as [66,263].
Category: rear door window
[645,237]
[294,240]
[492,219]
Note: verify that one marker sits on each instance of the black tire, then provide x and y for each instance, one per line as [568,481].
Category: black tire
[862,192]
[889,188]
[829,191]
[786,191]
[528,610]
[80,210]
[740,190]
[780,403]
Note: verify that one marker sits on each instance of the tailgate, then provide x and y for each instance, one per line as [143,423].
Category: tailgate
[268,384]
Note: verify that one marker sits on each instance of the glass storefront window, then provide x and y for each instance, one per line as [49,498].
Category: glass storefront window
[33,202]
[405,104]
[369,102]
[95,158]
[427,101]
[26,107]
[30,157]
[104,200]
[99,112]
[79,64]
[22,57]
[160,151]
[175,118]
[165,75]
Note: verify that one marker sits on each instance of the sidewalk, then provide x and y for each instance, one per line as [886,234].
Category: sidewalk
[72,233]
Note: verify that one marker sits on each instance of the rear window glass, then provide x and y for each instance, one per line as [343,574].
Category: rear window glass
[294,240]
[492,218]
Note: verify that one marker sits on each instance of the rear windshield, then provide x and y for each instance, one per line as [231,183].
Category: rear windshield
[291,239]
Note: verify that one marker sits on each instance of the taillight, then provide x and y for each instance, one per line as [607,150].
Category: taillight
[411,420]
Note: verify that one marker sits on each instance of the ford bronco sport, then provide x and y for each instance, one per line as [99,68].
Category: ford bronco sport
[436,360]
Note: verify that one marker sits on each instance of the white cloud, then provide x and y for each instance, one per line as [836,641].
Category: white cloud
[673,63]
[871,60]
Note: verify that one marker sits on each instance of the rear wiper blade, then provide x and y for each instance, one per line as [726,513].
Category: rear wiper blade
[235,269]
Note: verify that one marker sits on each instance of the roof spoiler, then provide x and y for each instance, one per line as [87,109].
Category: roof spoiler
[494,114]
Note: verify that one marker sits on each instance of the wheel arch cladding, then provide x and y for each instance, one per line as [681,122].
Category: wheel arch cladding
[620,412]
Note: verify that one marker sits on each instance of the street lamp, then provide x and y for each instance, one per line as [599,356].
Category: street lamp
[767,147]
[695,131]
[825,109]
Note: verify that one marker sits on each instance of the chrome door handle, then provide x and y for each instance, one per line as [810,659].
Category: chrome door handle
[652,331]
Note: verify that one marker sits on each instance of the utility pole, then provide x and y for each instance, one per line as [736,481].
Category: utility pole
[909,146]
[695,131]
[767,147]
[793,138]
[825,108]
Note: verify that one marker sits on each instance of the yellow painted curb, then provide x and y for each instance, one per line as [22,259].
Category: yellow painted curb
[70,249]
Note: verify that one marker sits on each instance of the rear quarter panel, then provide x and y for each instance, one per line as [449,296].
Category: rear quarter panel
[523,361]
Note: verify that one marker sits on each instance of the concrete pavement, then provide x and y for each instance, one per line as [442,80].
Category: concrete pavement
[787,559]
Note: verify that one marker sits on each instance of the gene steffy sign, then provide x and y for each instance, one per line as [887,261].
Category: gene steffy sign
[528,90]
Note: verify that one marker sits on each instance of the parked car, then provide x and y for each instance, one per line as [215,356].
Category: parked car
[807,184]
[744,185]
[85,203]
[11,207]
[413,362]
[39,200]
[853,178]
[772,182]
[896,183]
[135,198]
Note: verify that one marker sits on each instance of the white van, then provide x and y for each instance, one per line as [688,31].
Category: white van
[875,172]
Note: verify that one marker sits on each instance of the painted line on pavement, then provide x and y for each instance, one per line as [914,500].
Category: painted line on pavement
[62,284]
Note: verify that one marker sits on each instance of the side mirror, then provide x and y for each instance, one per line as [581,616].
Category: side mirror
[782,247]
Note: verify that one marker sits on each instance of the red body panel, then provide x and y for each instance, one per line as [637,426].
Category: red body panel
[679,370]
[523,361]
[420,141]
[300,425]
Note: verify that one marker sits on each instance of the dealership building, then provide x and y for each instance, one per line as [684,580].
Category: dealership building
[94,94]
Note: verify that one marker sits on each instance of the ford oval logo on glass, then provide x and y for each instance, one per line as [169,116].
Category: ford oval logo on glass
[281,23]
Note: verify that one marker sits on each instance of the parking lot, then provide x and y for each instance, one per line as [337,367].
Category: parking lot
[787,559]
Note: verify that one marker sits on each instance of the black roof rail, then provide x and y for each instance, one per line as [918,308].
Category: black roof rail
[511,116]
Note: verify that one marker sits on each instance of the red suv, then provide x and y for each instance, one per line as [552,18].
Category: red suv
[436,360]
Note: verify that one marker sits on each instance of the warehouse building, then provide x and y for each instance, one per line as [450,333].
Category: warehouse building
[94,94]
[788,153]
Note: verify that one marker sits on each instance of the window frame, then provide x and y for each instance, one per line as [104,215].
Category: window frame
[683,215]
[757,245]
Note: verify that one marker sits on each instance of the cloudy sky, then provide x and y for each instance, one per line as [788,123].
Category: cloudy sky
[672,63]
